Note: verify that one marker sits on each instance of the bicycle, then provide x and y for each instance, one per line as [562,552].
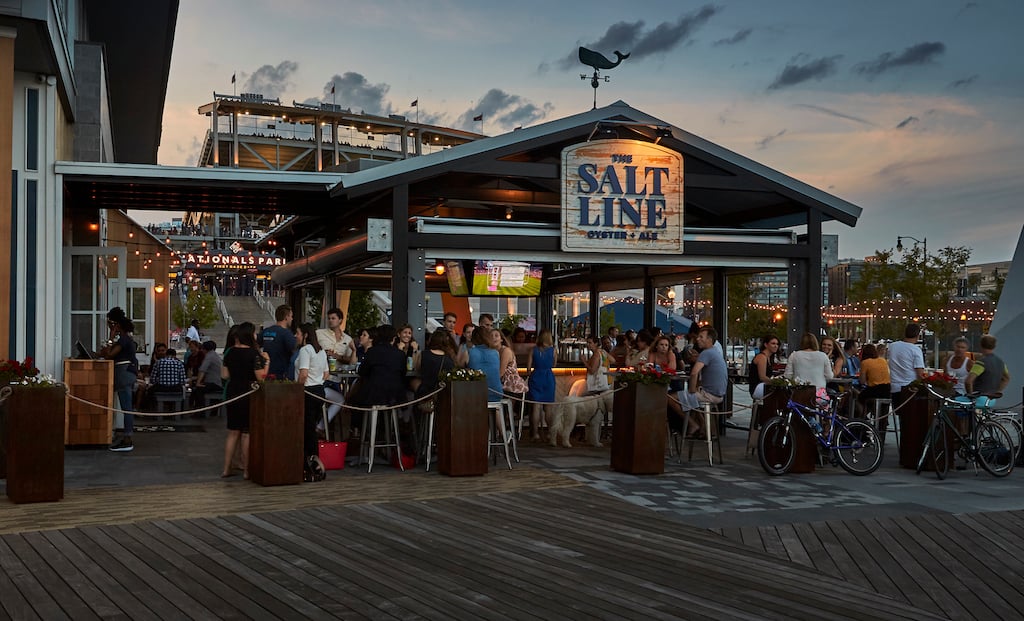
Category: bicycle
[987,442]
[852,444]
[1014,426]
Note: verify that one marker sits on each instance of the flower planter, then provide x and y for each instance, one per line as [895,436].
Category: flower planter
[34,435]
[461,429]
[639,428]
[276,413]
[915,421]
[806,457]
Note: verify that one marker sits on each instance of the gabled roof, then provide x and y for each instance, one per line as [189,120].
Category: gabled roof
[717,181]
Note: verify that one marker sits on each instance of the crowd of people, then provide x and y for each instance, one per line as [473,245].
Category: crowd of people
[392,369]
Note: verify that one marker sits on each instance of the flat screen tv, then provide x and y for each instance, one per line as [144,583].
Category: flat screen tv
[457,281]
[507,278]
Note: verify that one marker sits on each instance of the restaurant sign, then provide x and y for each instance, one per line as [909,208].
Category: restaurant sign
[622,196]
[217,260]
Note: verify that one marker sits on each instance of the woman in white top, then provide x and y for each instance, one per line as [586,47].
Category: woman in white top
[311,371]
[598,365]
[959,365]
[809,364]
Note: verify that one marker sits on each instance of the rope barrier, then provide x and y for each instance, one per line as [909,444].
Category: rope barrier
[255,386]
[523,399]
[397,406]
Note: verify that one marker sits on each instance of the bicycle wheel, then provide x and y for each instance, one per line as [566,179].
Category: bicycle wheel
[858,448]
[1009,422]
[776,447]
[939,455]
[995,449]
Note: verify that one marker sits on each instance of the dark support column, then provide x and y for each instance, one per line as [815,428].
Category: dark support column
[814,270]
[400,274]
[329,301]
[797,316]
[595,310]
[417,291]
[545,310]
[650,302]
[719,317]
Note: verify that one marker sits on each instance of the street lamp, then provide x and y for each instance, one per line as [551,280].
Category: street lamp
[924,243]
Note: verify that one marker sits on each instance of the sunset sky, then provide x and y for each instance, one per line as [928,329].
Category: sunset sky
[910,109]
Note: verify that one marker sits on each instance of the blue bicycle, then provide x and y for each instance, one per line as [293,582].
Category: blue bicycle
[852,444]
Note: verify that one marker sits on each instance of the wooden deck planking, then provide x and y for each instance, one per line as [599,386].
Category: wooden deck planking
[715,566]
[28,583]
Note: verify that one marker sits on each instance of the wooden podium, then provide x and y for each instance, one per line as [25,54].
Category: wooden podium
[462,429]
[93,381]
[639,428]
[276,413]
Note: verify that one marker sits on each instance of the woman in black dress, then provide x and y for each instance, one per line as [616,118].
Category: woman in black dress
[240,368]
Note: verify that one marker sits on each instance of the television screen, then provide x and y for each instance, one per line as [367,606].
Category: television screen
[508,278]
[457,283]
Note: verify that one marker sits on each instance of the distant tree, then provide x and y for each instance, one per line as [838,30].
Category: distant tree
[509,323]
[607,320]
[746,322]
[1000,280]
[198,305]
[923,282]
[362,312]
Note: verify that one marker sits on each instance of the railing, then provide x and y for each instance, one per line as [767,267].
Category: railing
[265,303]
[223,309]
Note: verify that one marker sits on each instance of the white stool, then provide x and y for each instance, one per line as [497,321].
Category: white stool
[496,424]
[370,447]
[712,437]
[883,407]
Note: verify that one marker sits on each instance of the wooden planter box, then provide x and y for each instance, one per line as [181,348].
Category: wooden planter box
[915,420]
[275,434]
[92,380]
[35,443]
[462,429]
[639,429]
[806,445]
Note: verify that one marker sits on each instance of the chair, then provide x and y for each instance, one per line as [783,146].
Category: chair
[712,437]
[177,399]
[498,432]
[368,447]
[209,399]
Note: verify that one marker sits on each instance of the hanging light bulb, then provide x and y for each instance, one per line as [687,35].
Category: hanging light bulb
[508,213]
[439,267]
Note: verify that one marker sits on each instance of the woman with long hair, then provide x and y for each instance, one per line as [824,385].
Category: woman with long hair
[311,371]
[244,364]
[810,364]
[542,388]
[761,366]
[121,349]
[835,354]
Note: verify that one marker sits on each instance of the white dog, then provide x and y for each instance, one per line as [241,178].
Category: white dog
[584,411]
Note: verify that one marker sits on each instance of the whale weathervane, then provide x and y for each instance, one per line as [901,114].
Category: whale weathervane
[598,61]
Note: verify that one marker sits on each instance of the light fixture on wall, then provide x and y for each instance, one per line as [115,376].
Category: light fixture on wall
[508,213]
[159,288]
[94,226]
[439,267]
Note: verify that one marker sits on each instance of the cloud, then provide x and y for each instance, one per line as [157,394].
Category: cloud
[767,140]
[504,109]
[920,54]
[353,90]
[736,38]
[967,7]
[795,73]
[835,113]
[629,37]
[666,36]
[907,121]
[962,82]
[271,81]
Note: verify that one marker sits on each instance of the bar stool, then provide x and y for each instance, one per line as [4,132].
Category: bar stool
[884,407]
[712,437]
[209,399]
[497,411]
[390,424]
[755,430]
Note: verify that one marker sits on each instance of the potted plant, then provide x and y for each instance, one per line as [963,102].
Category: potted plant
[639,428]
[919,406]
[276,413]
[31,433]
[462,423]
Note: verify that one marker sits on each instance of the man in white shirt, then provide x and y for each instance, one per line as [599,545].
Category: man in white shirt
[906,362]
[193,331]
[333,339]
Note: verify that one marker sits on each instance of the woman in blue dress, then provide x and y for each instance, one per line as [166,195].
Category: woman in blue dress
[542,388]
[483,356]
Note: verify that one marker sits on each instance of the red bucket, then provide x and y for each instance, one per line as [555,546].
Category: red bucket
[333,454]
[408,461]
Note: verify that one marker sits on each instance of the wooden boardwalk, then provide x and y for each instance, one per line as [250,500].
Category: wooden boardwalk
[554,553]
[968,566]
